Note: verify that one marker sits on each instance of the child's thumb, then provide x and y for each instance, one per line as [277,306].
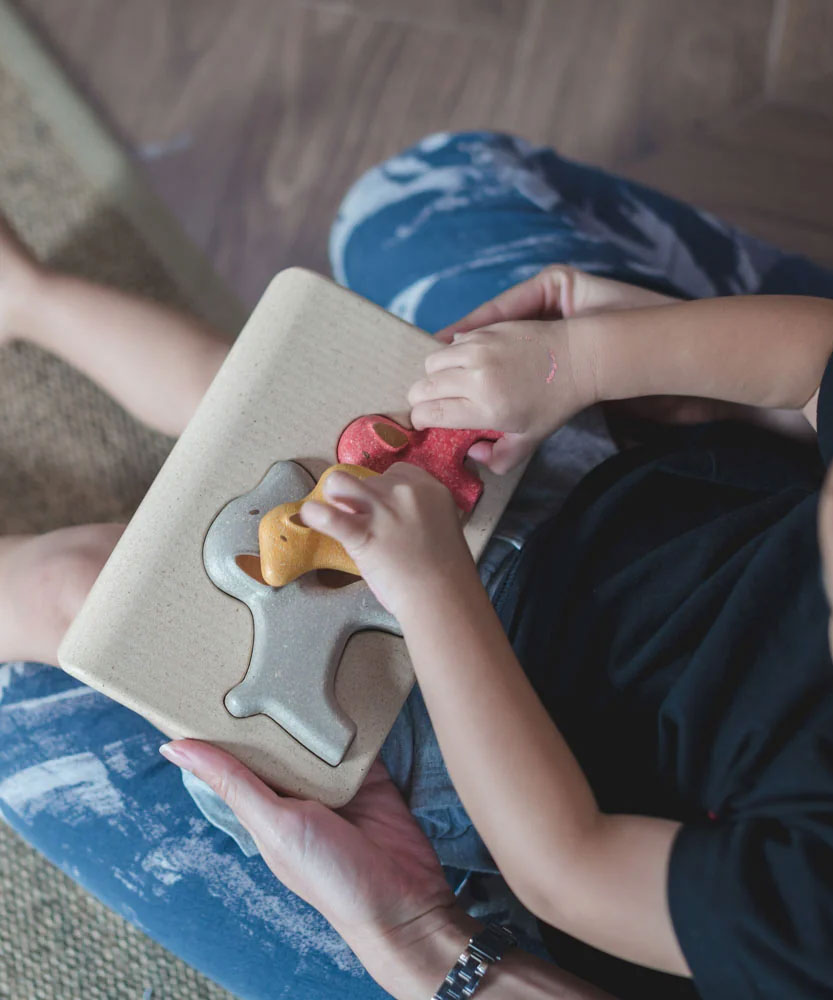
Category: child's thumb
[507,452]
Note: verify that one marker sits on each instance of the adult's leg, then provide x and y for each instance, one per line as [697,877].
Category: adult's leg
[81,780]
[155,361]
[449,223]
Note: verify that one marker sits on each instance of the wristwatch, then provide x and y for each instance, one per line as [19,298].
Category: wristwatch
[485,948]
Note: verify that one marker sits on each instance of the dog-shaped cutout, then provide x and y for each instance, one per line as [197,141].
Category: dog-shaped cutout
[300,630]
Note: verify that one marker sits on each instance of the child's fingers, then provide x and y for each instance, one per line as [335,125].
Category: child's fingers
[316,515]
[449,384]
[507,452]
[467,350]
[455,356]
[348,527]
[481,451]
[460,413]
[341,485]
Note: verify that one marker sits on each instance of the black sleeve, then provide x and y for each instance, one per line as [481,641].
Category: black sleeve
[824,421]
[752,907]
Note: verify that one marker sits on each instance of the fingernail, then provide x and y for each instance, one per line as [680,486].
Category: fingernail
[176,755]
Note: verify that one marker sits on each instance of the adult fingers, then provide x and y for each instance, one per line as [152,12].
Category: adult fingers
[258,807]
[539,297]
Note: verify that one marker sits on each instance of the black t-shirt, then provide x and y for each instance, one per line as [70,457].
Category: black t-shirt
[673,621]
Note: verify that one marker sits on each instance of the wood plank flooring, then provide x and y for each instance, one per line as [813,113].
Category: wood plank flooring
[253,117]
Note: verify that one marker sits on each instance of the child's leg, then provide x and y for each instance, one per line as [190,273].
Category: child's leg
[155,361]
[43,582]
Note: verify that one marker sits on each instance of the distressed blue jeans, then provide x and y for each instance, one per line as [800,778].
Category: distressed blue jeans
[429,234]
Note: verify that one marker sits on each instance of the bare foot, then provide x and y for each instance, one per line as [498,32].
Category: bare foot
[44,580]
[18,273]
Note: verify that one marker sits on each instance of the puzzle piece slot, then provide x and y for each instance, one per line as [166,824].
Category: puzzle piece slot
[251,566]
[335,579]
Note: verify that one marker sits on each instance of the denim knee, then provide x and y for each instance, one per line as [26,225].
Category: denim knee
[439,166]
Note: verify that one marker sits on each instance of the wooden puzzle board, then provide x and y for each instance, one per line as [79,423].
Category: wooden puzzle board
[156,635]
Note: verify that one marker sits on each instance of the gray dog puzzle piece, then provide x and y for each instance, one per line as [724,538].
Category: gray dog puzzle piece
[300,630]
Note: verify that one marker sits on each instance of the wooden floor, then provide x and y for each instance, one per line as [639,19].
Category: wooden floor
[253,116]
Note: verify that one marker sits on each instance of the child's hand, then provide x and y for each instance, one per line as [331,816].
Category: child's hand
[511,400]
[402,529]
[523,378]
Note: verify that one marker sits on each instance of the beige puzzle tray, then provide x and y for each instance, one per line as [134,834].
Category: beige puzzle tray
[157,635]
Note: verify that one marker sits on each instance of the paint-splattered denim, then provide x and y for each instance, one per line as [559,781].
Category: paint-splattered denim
[428,234]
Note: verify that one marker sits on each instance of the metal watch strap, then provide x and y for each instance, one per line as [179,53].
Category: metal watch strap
[485,948]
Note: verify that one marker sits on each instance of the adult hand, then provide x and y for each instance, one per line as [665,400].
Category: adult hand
[367,867]
[556,292]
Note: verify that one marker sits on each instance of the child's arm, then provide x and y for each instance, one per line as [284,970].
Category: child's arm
[528,377]
[600,878]
[765,350]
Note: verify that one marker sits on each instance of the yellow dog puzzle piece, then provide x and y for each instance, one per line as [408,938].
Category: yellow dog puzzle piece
[288,548]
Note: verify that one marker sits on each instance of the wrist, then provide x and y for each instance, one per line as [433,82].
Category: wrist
[451,590]
[581,344]
[590,338]
[412,964]
[23,288]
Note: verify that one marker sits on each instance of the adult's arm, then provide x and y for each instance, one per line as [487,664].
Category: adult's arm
[371,872]
[416,973]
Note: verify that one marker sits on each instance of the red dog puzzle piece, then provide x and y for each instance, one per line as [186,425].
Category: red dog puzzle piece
[376,442]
